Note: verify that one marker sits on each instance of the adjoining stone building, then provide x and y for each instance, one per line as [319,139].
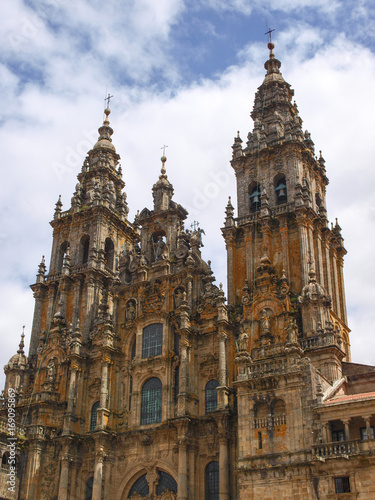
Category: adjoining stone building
[143,382]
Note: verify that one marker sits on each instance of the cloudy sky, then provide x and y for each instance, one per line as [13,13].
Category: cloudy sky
[183,73]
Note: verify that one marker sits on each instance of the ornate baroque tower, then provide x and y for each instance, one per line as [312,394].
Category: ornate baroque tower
[281,243]
[142,383]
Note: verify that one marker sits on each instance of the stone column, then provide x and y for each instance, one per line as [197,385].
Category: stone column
[90,295]
[336,281]
[340,265]
[304,249]
[222,359]
[98,475]
[347,430]
[249,258]
[319,257]
[51,303]
[229,242]
[325,431]
[368,427]
[182,470]
[71,398]
[64,478]
[193,448]
[223,465]
[37,320]
[328,284]
[285,244]
[77,289]
[33,465]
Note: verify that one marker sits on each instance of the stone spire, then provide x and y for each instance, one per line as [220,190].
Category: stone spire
[275,116]
[162,190]
[100,180]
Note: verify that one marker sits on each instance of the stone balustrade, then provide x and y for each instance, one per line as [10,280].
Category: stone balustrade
[337,449]
[323,339]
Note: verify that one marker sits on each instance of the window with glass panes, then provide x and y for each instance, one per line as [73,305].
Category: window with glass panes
[152,340]
[140,487]
[342,485]
[93,420]
[211,395]
[212,481]
[165,483]
[151,401]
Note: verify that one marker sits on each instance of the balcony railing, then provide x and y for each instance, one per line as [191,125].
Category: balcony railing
[19,430]
[320,340]
[337,449]
[271,421]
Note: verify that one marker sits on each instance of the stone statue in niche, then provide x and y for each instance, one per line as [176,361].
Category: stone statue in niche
[51,371]
[265,326]
[159,249]
[178,297]
[292,331]
[130,310]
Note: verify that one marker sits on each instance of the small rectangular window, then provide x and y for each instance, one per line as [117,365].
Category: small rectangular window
[364,436]
[338,435]
[342,485]
[260,442]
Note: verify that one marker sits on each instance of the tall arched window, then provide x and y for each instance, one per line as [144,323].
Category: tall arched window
[109,253]
[140,487]
[89,485]
[280,190]
[84,249]
[152,340]
[94,416]
[62,252]
[151,401]
[254,194]
[211,395]
[212,481]
[165,483]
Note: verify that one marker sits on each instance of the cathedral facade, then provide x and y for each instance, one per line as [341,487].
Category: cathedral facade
[144,381]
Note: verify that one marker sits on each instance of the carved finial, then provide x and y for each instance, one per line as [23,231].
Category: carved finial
[163,160]
[42,267]
[58,207]
[22,343]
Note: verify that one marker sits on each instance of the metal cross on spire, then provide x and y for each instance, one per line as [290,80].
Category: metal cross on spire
[194,225]
[108,98]
[269,33]
[163,148]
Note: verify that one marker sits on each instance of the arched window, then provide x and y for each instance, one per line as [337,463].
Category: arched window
[152,340]
[212,481]
[211,395]
[62,252]
[109,253]
[254,193]
[89,485]
[94,416]
[278,412]
[84,249]
[140,487]
[151,401]
[165,483]
[280,190]
[261,415]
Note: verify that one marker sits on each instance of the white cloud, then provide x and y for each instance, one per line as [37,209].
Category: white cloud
[52,123]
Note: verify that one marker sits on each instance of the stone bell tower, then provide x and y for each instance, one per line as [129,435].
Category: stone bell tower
[281,243]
